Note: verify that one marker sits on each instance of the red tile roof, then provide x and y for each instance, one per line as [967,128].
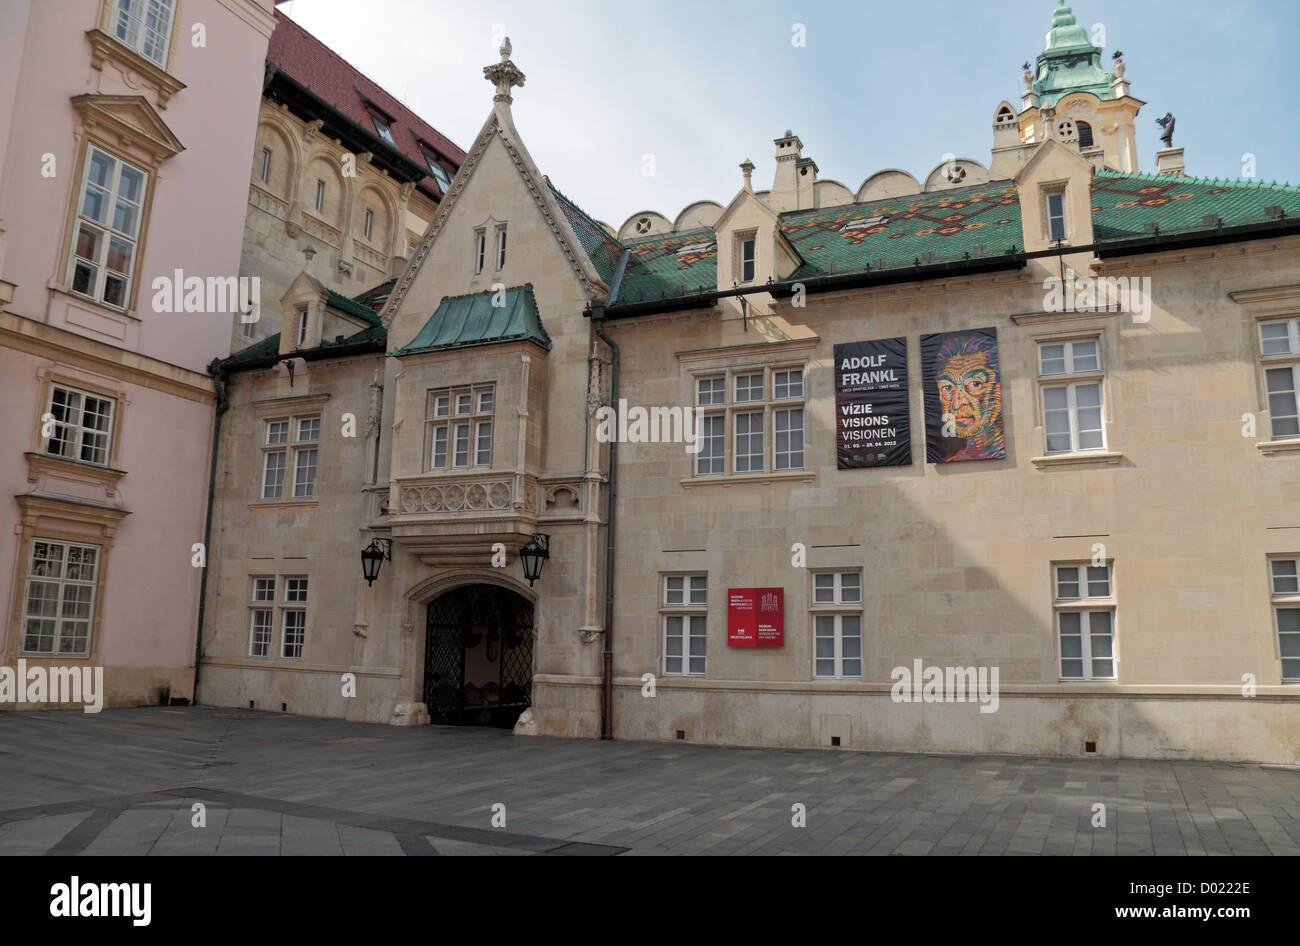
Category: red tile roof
[311,63]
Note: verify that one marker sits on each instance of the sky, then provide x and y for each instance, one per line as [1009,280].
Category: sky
[653,104]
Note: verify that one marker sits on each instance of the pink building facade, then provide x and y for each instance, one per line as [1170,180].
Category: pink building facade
[128,125]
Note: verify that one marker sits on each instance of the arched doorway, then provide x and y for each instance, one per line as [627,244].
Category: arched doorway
[478,656]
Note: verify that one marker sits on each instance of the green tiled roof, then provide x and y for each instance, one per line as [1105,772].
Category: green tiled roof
[461,321]
[601,248]
[1123,204]
[963,223]
[270,346]
[657,268]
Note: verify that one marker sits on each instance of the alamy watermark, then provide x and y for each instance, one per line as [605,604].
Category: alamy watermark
[1077,293]
[649,425]
[211,294]
[53,685]
[921,684]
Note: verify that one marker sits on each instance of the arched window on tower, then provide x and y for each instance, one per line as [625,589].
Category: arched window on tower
[1085,134]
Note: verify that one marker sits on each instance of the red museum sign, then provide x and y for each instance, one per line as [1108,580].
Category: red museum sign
[756,617]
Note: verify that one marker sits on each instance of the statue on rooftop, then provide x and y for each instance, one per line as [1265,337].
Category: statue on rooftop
[1167,123]
[1028,77]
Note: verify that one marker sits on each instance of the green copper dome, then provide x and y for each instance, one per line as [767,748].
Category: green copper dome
[1069,62]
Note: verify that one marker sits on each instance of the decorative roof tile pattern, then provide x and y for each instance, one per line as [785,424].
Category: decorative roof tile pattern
[1123,204]
[601,248]
[461,321]
[970,222]
[311,63]
[657,268]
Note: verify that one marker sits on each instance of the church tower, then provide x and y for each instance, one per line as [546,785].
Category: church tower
[1070,97]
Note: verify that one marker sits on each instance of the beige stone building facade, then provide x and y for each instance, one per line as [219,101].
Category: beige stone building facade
[1083,498]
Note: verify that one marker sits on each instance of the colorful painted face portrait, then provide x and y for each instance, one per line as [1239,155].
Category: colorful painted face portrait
[963,396]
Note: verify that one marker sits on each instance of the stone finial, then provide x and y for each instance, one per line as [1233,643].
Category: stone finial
[747,169]
[504,74]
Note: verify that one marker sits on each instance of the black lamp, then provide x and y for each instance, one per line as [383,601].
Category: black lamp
[533,554]
[373,555]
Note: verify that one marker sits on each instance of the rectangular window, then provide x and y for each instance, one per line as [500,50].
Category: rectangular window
[107,229]
[501,248]
[747,257]
[1285,577]
[712,459]
[369,219]
[685,619]
[264,172]
[320,195]
[749,442]
[301,328]
[145,26]
[262,617]
[1283,415]
[788,453]
[1056,216]
[275,458]
[60,597]
[837,625]
[1072,415]
[469,437]
[294,619]
[480,249]
[1085,621]
[750,404]
[82,427]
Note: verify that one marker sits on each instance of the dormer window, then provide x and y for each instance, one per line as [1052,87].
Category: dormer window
[862,224]
[302,328]
[696,248]
[746,256]
[439,173]
[145,26]
[501,248]
[381,127]
[1056,230]
[480,249]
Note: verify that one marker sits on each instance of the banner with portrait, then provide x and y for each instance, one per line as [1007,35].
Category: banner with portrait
[962,380]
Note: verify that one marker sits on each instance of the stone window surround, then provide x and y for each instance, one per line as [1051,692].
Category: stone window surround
[105,46]
[686,611]
[1084,603]
[49,377]
[474,418]
[1102,332]
[1068,379]
[836,608]
[291,409]
[1278,600]
[279,605]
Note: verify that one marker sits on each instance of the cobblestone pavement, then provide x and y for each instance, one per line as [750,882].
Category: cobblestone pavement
[125,782]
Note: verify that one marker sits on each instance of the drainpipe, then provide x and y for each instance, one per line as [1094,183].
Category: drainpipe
[607,689]
[218,372]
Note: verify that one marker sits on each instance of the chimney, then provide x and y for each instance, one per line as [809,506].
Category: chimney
[792,188]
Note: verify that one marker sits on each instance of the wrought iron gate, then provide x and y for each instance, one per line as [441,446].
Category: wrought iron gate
[457,622]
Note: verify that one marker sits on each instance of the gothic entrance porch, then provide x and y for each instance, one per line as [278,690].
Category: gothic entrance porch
[478,656]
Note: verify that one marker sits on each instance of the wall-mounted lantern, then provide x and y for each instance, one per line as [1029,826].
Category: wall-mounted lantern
[533,555]
[374,555]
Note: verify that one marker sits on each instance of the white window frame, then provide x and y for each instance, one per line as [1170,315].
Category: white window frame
[1085,605]
[129,25]
[685,598]
[452,412]
[843,601]
[107,230]
[712,403]
[63,584]
[746,251]
[300,329]
[480,250]
[298,475]
[1056,193]
[1284,595]
[501,248]
[294,584]
[263,605]
[76,436]
[1071,379]
[1283,425]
